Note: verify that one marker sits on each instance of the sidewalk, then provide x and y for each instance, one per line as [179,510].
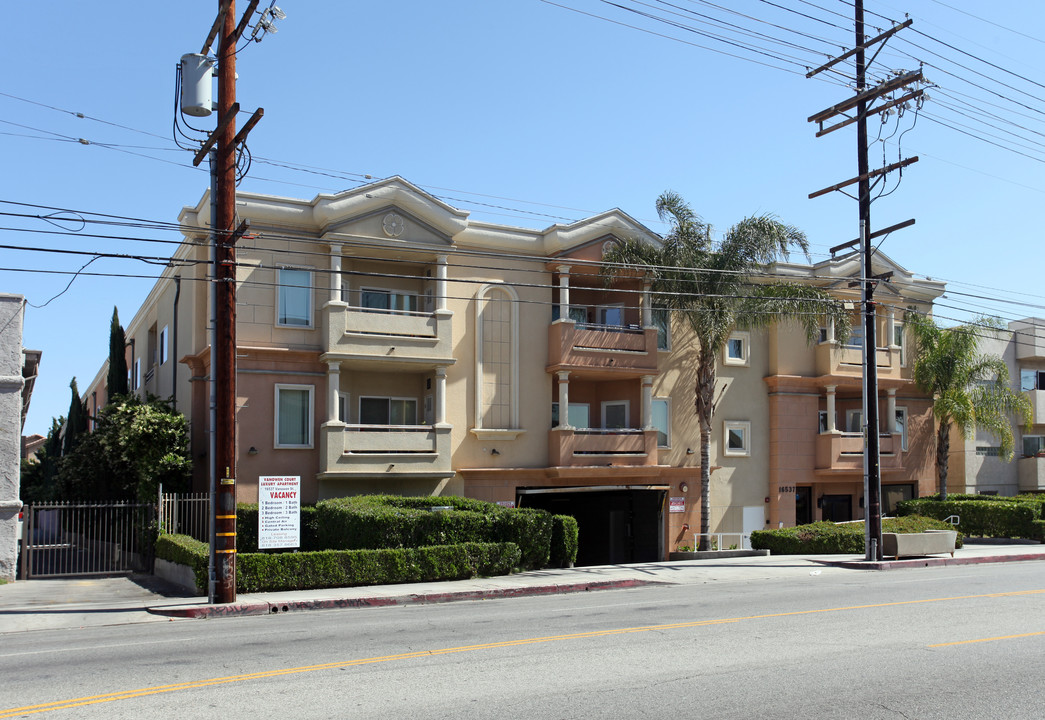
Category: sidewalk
[50,604]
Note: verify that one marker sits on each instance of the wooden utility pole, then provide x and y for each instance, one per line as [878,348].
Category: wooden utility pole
[863,181]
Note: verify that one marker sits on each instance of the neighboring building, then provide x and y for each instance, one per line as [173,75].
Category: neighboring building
[18,369]
[976,465]
[388,344]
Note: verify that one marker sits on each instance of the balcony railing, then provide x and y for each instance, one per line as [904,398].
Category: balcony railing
[845,451]
[365,332]
[353,450]
[597,446]
[608,347]
[835,359]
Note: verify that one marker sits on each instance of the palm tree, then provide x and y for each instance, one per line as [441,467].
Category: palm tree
[715,290]
[969,391]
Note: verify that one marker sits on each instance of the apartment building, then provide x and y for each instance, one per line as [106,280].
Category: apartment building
[976,465]
[387,343]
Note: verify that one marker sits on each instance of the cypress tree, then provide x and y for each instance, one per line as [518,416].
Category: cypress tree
[117,377]
[76,422]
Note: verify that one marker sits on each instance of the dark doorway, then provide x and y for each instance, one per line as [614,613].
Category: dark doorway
[837,508]
[892,494]
[803,505]
[615,526]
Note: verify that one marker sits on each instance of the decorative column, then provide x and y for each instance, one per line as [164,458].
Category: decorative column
[647,402]
[890,328]
[564,293]
[440,396]
[831,426]
[335,272]
[440,283]
[333,386]
[647,306]
[831,330]
[564,400]
[890,410]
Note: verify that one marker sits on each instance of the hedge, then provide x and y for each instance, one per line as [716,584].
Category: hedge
[247,528]
[565,541]
[1009,517]
[185,550]
[390,521]
[826,538]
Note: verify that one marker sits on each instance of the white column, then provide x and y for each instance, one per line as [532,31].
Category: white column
[335,272]
[890,328]
[647,306]
[440,396]
[440,282]
[890,410]
[333,386]
[564,400]
[831,408]
[564,292]
[647,402]
[831,330]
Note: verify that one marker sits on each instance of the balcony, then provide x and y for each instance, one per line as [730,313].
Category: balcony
[355,333]
[844,452]
[594,446]
[609,348]
[834,359]
[1037,403]
[387,450]
[1031,473]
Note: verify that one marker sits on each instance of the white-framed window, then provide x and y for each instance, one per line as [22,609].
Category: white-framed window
[856,335]
[1033,445]
[387,411]
[293,426]
[736,349]
[662,321]
[901,426]
[736,440]
[342,406]
[579,416]
[615,414]
[854,421]
[294,308]
[164,350]
[661,419]
[898,340]
[390,300]
[611,315]
[136,374]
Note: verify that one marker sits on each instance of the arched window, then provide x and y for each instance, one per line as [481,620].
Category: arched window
[496,358]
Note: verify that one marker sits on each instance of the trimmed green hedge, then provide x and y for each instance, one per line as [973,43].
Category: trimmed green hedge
[390,521]
[826,538]
[264,572]
[186,550]
[980,517]
[565,541]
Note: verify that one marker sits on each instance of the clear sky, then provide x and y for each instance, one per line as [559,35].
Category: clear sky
[524,112]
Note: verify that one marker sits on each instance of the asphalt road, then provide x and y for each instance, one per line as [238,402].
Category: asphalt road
[954,642]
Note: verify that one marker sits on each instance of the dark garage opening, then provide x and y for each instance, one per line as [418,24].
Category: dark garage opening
[616,524]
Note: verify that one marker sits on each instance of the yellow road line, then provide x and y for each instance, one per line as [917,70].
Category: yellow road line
[992,639]
[190,685]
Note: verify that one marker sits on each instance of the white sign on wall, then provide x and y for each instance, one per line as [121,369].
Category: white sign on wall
[279,512]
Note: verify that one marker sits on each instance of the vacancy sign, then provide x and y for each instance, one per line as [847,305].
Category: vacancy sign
[279,512]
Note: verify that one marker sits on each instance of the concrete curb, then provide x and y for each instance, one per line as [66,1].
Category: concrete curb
[930,562]
[275,608]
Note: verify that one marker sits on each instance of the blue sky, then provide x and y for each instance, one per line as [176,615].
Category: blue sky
[523,112]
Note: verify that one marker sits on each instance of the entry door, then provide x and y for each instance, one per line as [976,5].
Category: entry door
[837,508]
[803,505]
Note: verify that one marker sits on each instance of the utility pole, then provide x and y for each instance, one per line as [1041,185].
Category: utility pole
[863,181]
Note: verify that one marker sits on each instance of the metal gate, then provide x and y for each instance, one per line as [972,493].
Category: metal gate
[86,538]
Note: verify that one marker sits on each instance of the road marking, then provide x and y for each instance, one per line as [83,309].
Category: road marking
[992,639]
[194,684]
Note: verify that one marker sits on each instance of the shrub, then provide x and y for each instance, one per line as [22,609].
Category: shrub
[565,540]
[186,550]
[247,528]
[1010,517]
[826,538]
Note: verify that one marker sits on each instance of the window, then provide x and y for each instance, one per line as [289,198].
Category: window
[294,416]
[615,414]
[163,345]
[342,407]
[578,415]
[822,421]
[612,315]
[662,421]
[899,342]
[901,427]
[661,321]
[988,451]
[1032,379]
[388,300]
[854,421]
[387,411]
[295,298]
[856,335]
[822,337]
[136,374]
[1033,445]
[737,438]
[736,349]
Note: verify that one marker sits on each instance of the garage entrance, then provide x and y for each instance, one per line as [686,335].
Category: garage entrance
[618,524]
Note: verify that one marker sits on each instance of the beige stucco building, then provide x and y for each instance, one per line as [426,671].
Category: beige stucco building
[386,343]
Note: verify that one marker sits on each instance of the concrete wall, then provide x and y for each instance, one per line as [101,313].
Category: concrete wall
[11,382]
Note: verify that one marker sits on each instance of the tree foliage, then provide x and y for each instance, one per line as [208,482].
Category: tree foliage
[76,422]
[136,446]
[39,476]
[969,390]
[116,380]
[718,289]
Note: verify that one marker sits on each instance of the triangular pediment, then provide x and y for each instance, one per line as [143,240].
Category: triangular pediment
[389,224]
